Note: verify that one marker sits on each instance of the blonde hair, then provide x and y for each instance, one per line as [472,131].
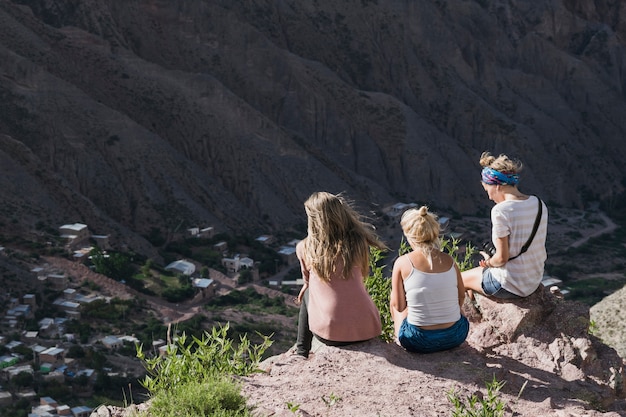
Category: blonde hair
[421,229]
[502,163]
[336,236]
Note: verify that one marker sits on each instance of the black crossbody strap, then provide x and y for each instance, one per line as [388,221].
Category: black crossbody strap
[532,235]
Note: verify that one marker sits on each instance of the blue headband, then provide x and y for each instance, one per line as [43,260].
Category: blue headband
[493,177]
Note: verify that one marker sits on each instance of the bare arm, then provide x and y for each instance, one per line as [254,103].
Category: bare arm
[459,285]
[398,296]
[501,256]
[303,269]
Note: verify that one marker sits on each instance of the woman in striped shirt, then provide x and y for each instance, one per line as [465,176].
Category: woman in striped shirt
[510,272]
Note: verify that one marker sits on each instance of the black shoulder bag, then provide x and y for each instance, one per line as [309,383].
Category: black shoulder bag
[532,235]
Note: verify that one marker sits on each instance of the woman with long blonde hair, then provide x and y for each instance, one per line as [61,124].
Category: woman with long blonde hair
[334,259]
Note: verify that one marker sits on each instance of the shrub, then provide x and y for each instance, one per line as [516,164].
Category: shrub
[217,396]
[201,360]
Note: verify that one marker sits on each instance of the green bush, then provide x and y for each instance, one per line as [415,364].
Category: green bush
[200,360]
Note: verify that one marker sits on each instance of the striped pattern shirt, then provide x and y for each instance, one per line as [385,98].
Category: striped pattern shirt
[515,219]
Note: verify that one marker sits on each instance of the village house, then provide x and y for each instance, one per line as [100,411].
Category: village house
[288,255]
[57,281]
[111,342]
[75,233]
[220,247]
[5,398]
[20,311]
[236,263]
[399,208]
[53,355]
[47,326]
[31,334]
[48,407]
[13,371]
[81,411]
[13,344]
[102,241]
[205,233]
[30,299]
[69,293]
[265,239]
[8,360]
[181,267]
[205,285]
[37,349]
[28,394]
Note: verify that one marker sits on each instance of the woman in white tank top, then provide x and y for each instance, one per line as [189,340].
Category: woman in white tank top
[427,290]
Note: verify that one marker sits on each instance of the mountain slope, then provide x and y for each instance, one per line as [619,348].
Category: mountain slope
[134,115]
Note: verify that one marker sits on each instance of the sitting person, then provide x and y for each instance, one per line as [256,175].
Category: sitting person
[334,259]
[426,289]
[518,230]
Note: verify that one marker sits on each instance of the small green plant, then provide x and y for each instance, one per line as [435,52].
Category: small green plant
[593,328]
[213,354]
[194,377]
[293,407]
[379,288]
[331,400]
[451,247]
[473,406]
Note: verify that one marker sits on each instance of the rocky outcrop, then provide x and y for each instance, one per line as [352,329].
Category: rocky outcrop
[130,116]
[539,346]
[545,332]
[608,318]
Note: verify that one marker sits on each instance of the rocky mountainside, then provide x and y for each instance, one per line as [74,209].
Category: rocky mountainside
[136,115]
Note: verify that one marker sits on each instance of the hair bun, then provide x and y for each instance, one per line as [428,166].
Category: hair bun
[423,211]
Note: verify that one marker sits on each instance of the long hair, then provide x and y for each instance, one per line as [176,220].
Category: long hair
[337,237]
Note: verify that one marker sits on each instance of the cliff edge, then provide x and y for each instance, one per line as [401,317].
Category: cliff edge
[540,347]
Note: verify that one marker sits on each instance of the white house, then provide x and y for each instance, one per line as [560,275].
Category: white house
[111,342]
[181,267]
[236,263]
[74,233]
[399,208]
[288,254]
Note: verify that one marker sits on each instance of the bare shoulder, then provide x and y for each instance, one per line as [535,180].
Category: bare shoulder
[402,265]
[300,247]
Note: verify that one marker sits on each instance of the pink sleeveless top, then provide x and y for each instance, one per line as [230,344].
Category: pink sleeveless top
[341,310]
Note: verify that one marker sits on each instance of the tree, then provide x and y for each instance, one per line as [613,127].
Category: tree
[114,265]
[22,380]
[75,351]
[245,276]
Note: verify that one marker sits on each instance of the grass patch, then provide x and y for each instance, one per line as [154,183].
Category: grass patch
[216,396]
